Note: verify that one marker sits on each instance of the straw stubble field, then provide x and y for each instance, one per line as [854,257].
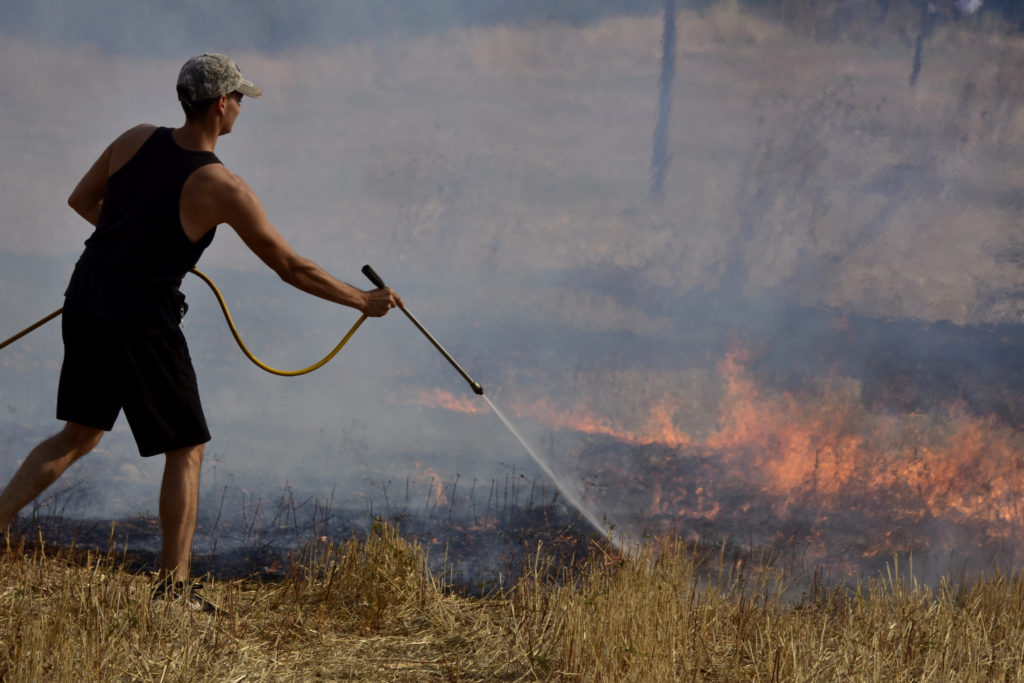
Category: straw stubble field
[370,610]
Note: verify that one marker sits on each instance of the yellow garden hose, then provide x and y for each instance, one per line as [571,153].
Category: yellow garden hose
[234,331]
[260,364]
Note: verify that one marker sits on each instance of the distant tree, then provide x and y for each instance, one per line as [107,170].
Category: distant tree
[932,11]
[661,157]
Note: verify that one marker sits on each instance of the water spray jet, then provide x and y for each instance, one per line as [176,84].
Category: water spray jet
[565,491]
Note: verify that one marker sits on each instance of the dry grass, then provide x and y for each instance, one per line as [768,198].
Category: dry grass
[369,610]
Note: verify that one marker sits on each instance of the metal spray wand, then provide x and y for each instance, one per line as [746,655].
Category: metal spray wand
[378,282]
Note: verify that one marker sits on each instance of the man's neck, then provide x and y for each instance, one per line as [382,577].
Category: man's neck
[196,137]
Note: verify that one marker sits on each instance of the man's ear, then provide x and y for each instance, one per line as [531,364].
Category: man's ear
[222,104]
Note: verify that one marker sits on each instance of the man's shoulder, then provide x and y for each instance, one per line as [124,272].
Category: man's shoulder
[216,187]
[143,129]
[135,136]
[213,195]
[216,176]
[127,144]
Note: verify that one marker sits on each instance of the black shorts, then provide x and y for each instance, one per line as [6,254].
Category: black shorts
[149,375]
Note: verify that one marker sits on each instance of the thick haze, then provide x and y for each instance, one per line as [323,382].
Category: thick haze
[497,176]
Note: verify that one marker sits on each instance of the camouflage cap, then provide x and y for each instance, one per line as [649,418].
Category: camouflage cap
[211,75]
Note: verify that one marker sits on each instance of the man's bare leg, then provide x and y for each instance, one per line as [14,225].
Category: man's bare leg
[44,465]
[179,502]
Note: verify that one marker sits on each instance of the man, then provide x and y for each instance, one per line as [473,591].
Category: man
[156,196]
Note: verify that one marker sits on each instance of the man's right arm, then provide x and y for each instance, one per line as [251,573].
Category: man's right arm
[215,195]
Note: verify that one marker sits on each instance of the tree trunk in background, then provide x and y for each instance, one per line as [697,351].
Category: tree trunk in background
[661,158]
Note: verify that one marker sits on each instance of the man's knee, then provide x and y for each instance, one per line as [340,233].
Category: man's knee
[80,438]
[191,456]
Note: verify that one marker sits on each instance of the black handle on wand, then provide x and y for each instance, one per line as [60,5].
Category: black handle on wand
[374,278]
[378,282]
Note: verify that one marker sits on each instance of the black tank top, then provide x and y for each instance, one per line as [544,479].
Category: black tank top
[135,260]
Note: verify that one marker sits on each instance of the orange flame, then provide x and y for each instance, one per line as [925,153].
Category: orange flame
[434,483]
[437,398]
[821,451]
[953,463]
[658,429]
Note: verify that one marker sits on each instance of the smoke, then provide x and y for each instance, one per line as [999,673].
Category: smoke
[818,213]
[969,6]
[168,29]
